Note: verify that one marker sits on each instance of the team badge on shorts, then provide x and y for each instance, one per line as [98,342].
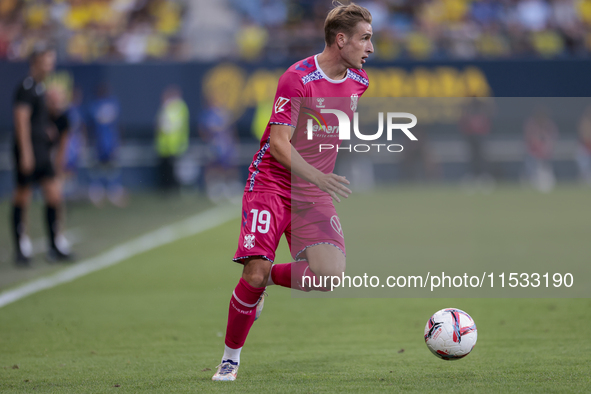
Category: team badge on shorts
[336,225]
[249,241]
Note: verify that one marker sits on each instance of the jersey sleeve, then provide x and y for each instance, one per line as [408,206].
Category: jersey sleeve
[23,96]
[286,109]
[364,79]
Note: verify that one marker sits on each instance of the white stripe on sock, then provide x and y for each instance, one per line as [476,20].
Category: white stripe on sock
[244,303]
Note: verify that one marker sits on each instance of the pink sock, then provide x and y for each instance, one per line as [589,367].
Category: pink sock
[290,275]
[243,305]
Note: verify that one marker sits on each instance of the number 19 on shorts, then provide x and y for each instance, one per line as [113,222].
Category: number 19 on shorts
[261,221]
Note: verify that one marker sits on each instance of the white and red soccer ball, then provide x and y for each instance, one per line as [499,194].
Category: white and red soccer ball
[450,334]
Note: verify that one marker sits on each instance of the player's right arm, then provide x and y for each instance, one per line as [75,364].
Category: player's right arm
[22,125]
[284,152]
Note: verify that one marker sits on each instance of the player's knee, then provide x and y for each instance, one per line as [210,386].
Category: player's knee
[21,196]
[255,279]
[256,272]
[18,199]
[54,201]
[53,196]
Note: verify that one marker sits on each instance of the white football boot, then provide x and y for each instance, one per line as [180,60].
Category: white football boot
[226,372]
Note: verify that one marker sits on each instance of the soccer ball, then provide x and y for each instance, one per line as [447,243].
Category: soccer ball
[450,334]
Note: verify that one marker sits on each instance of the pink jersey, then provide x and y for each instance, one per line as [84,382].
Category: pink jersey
[302,92]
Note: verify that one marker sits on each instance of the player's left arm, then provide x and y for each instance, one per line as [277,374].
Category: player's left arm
[284,152]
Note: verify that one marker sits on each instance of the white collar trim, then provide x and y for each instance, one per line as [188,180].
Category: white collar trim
[325,76]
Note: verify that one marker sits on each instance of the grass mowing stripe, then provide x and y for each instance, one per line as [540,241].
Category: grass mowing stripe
[191,226]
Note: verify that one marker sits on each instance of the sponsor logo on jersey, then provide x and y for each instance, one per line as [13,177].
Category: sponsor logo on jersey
[345,125]
[321,128]
[320,102]
[335,223]
[354,99]
[280,103]
[249,241]
[344,130]
[304,63]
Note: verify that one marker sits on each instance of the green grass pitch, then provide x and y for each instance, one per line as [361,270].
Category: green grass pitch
[155,323]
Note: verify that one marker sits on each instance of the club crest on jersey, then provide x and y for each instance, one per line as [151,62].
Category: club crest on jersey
[280,103]
[335,223]
[249,241]
[320,102]
[354,99]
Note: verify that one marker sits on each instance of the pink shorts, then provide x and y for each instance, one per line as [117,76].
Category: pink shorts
[266,216]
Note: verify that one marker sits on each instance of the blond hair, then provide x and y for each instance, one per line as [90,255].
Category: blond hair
[343,19]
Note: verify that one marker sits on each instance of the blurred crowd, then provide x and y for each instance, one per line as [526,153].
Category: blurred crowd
[92,30]
[274,30]
[427,29]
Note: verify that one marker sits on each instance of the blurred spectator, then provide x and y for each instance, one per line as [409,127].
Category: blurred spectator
[221,174]
[485,12]
[475,125]
[75,146]
[583,155]
[533,15]
[106,178]
[172,135]
[492,44]
[540,134]
[548,43]
[251,40]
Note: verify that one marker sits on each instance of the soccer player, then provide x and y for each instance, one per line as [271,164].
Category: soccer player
[35,136]
[291,184]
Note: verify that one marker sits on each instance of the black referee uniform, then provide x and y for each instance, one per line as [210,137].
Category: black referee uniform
[46,132]
[32,94]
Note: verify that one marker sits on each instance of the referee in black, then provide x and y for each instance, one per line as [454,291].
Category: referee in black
[35,136]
